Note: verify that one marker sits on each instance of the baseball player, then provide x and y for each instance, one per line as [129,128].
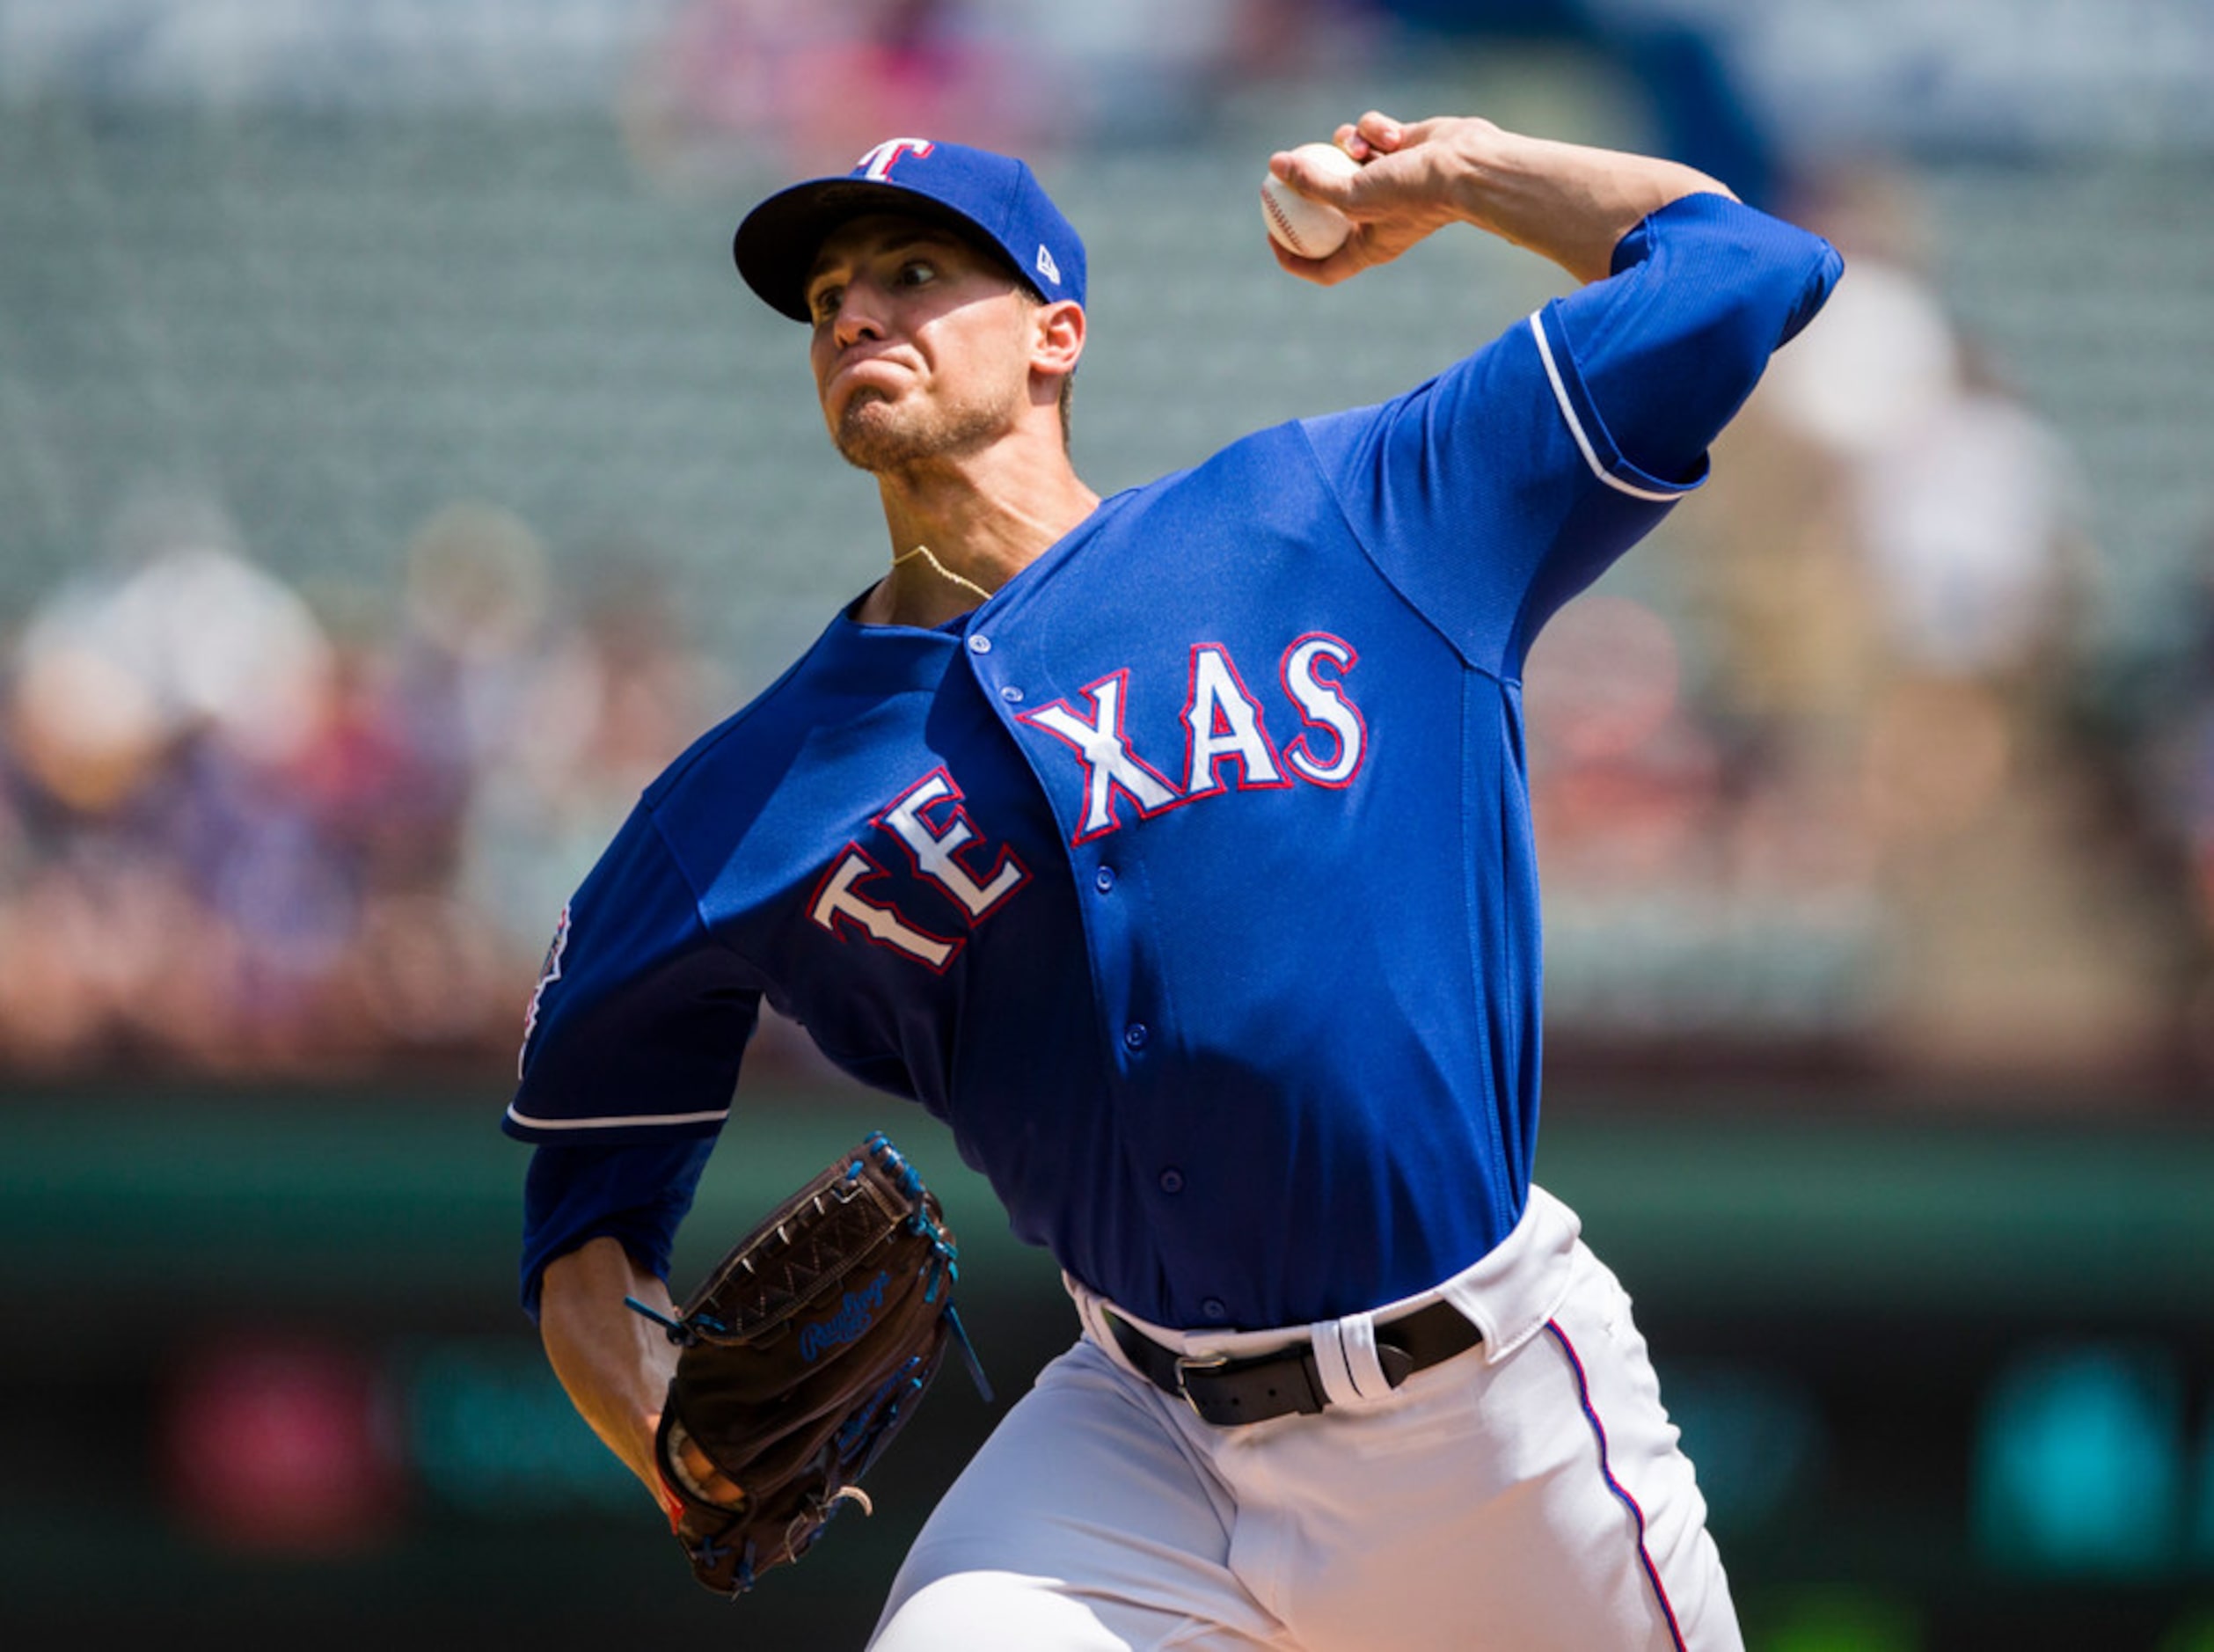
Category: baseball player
[1174,848]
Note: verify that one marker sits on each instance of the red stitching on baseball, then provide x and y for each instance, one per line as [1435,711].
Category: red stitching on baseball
[1274,210]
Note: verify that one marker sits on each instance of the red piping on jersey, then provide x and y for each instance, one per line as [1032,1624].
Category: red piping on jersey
[1645,1555]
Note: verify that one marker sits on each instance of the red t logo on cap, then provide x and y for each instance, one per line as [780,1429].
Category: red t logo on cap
[878,161]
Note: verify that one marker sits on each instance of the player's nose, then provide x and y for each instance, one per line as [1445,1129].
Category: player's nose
[861,315]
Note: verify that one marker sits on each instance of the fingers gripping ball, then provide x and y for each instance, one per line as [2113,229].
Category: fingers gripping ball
[807,1349]
[1300,226]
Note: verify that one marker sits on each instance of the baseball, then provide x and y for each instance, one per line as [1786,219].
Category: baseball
[1307,228]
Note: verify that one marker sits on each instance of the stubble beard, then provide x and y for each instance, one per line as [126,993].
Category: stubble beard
[879,436]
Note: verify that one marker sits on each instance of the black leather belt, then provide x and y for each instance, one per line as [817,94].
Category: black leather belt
[1226,1392]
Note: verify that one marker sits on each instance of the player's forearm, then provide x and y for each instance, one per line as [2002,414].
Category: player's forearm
[615,1363]
[1564,201]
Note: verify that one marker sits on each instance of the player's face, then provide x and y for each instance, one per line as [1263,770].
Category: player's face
[921,347]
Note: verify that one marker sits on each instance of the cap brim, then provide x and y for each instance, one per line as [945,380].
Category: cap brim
[777,242]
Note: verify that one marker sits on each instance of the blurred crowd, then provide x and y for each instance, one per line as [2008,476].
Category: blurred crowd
[1827,773]
[1835,770]
[245,836]
[818,85]
[1823,773]
[727,80]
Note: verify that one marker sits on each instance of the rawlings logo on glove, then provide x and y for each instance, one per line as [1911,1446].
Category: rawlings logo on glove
[847,1323]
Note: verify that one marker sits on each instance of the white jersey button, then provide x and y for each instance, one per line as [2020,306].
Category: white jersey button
[1104,880]
[1134,1034]
[980,644]
[1171,1180]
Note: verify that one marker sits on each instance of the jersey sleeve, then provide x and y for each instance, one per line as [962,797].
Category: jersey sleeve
[640,1016]
[1493,492]
[637,1195]
[631,1052]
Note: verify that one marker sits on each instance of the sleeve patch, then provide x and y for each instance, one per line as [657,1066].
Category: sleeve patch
[548,972]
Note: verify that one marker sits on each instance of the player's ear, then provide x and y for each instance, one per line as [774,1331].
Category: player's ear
[1057,337]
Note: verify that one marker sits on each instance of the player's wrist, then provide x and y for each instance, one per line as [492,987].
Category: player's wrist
[1479,157]
[1508,183]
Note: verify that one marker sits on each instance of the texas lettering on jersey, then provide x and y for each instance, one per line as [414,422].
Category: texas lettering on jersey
[1227,746]
[927,822]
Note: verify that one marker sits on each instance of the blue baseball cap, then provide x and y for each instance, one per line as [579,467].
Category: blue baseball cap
[975,192]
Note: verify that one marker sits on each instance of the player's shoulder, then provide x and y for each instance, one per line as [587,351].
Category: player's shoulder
[1487,392]
[1316,444]
[1225,473]
[732,753]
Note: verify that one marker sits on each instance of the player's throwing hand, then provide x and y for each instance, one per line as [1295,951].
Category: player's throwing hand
[1566,203]
[1400,195]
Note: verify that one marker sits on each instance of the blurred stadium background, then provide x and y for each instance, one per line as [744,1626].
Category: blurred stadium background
[393,475]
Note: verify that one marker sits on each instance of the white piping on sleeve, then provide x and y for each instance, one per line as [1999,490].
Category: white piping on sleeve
[715,1116]
[1575,426]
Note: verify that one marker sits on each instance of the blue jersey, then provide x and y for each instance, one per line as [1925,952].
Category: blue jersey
[1189,879]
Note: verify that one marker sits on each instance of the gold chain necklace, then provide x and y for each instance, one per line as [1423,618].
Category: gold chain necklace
[941,570]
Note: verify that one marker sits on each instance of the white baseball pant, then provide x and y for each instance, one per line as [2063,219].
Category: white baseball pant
[1523,1497]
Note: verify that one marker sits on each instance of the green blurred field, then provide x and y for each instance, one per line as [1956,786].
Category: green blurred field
[1854,1317]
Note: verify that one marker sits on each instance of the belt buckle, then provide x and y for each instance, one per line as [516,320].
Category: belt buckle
[1186,1364]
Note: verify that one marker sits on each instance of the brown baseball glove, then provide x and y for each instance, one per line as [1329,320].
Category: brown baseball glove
[807,1349]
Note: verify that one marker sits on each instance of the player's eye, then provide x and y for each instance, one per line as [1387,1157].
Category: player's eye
[822,304]
[918,272]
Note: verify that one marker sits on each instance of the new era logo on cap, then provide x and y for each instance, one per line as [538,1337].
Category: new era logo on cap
[992,198]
